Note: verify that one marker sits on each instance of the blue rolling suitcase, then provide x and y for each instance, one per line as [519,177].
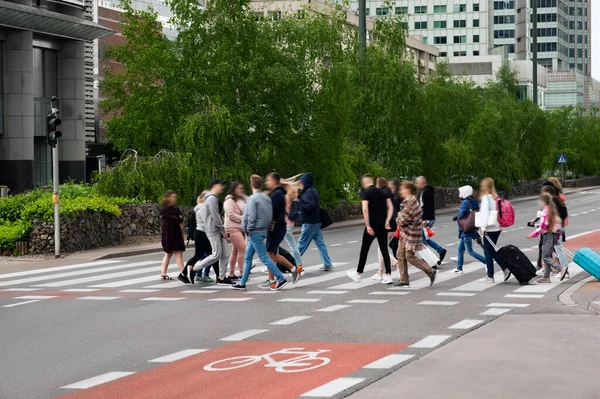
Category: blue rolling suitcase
[589,261]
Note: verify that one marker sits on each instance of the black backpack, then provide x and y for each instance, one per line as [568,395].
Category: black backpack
[190,227]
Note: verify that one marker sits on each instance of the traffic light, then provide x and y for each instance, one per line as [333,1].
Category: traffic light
[53,121]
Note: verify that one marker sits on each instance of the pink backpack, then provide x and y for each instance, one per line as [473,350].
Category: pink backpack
[506,213]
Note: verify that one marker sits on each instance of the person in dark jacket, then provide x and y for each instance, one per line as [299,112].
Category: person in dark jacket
[310,208]
[468,205]
[427,201]
[172,234]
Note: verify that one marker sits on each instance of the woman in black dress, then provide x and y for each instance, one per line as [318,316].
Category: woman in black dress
[172,233]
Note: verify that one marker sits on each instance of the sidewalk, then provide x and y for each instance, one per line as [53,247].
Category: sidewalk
[515,356]
[8,264]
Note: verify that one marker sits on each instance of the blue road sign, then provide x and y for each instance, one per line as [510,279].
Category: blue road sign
[562,159]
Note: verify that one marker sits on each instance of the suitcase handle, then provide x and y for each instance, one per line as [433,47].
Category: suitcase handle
[566,251]
[491,243]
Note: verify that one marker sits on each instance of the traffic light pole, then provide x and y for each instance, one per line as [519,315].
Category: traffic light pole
[55,201]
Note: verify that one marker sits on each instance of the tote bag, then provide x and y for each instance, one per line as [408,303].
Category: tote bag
[467,224]
[428,256]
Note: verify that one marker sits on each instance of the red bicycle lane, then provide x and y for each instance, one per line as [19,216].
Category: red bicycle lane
[259,369]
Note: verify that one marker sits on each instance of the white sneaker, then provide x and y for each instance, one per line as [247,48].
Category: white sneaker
[487,280]
[457,271]
[377,277]
[387,280]
[354,276]
[454,258]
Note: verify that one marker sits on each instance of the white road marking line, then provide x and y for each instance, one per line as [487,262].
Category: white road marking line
[133,281]
[199,292]
[20,303]
[430,341]
[351,242]
[584,213]
[172,284]
[451,244]
[438,303]
[177,356]
[478,286]
[441,277]
[265,292]
[243,335]
[455,294]
[85,280]
[326,276]
[81,290]
[35,297]
[335,245]
[369,301]
[446,225]
[98,380]
[162,298]
[141,291]
[495,312]
[507,305]
[58,268]
[389,293]
[21,289]
[72,274]
[99,298]
[352,285]
[305,300]
[465,324]
[333,308]
[327,292]
[523,296]
[229,299]
[290,320]
[543,288]
[332,388]
[574,214]
[389,361]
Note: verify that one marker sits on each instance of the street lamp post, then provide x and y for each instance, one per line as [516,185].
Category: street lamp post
[362,27]
[535,53]
[53,135]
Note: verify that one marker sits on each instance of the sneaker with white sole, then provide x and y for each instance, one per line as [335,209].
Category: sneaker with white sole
[326,268]
[377,277]
[353,276]
[278,285]
[265,285]
[487,280]
[387,279]
[457,271]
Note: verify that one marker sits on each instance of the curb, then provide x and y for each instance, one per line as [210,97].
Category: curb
[565,297]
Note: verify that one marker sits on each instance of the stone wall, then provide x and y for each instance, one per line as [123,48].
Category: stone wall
[94,230]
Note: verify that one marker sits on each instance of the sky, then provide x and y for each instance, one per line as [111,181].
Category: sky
[596,41]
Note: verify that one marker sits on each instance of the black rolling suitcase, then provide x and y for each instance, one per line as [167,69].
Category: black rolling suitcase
[289,258]
[517,262]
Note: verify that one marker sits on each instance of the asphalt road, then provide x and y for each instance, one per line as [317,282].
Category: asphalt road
[110,329]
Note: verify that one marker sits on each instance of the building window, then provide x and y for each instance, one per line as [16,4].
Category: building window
[476,52]
[437,9]
[460,39]
[475,7]
[42,162]
[274,15]
[460,53]
[504,19]
[443,54]
[504,34]
[462,23]
[420,25]
[367,11]
[460,7]
[508,4]
[475,38]
[401,10]
[439,24]
[424,40]
[440,40]
[420,9]
[475,23]
[382,11]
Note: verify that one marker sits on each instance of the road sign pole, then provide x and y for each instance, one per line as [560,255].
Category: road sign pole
[55,201]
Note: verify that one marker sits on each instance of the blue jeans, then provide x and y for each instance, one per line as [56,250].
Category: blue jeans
[289,237]
[490,253]
[256,245]
[429,242]
[313,232]
[466,242]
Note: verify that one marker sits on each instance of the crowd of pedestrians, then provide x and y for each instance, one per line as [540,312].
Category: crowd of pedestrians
[399,215]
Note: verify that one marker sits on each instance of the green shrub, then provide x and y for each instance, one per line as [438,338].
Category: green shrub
[11,232]
[12,206]
[43,209]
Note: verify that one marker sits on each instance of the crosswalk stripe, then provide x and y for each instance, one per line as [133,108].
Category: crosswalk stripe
[37,272]
[100,379]
[389,361]
[72,274]
[326,276]
[85,280]
[243,335]
[290,320]
[441,277]
[542,288]
[479,286]
[99,298]
[465,324]
[300,300]
[12,305]
[177,356]
[430,341]
[495,312]
[369,301]
[123,283]
[507,305]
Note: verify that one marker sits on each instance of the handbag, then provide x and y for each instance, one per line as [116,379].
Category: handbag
[428,232]
[428,256]
[467,224]
[397,233]
[325,218]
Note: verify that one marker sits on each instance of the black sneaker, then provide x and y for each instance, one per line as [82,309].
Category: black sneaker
[442,256]
[224,281]
[295,275]
[279,285]
[234,277]
[191,274]
[238,287]
[183,278]
[435,267]
[432,277]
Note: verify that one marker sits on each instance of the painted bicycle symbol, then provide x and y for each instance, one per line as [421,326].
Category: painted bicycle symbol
[303,361]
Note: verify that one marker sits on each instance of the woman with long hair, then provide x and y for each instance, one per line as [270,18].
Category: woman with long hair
[234,205]
[291,202]
[490,230]
[172,235]
[202,246]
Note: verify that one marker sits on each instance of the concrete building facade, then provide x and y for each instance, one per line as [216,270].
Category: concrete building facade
[43,54]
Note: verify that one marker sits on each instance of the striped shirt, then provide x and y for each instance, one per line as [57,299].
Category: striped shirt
[410,224]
